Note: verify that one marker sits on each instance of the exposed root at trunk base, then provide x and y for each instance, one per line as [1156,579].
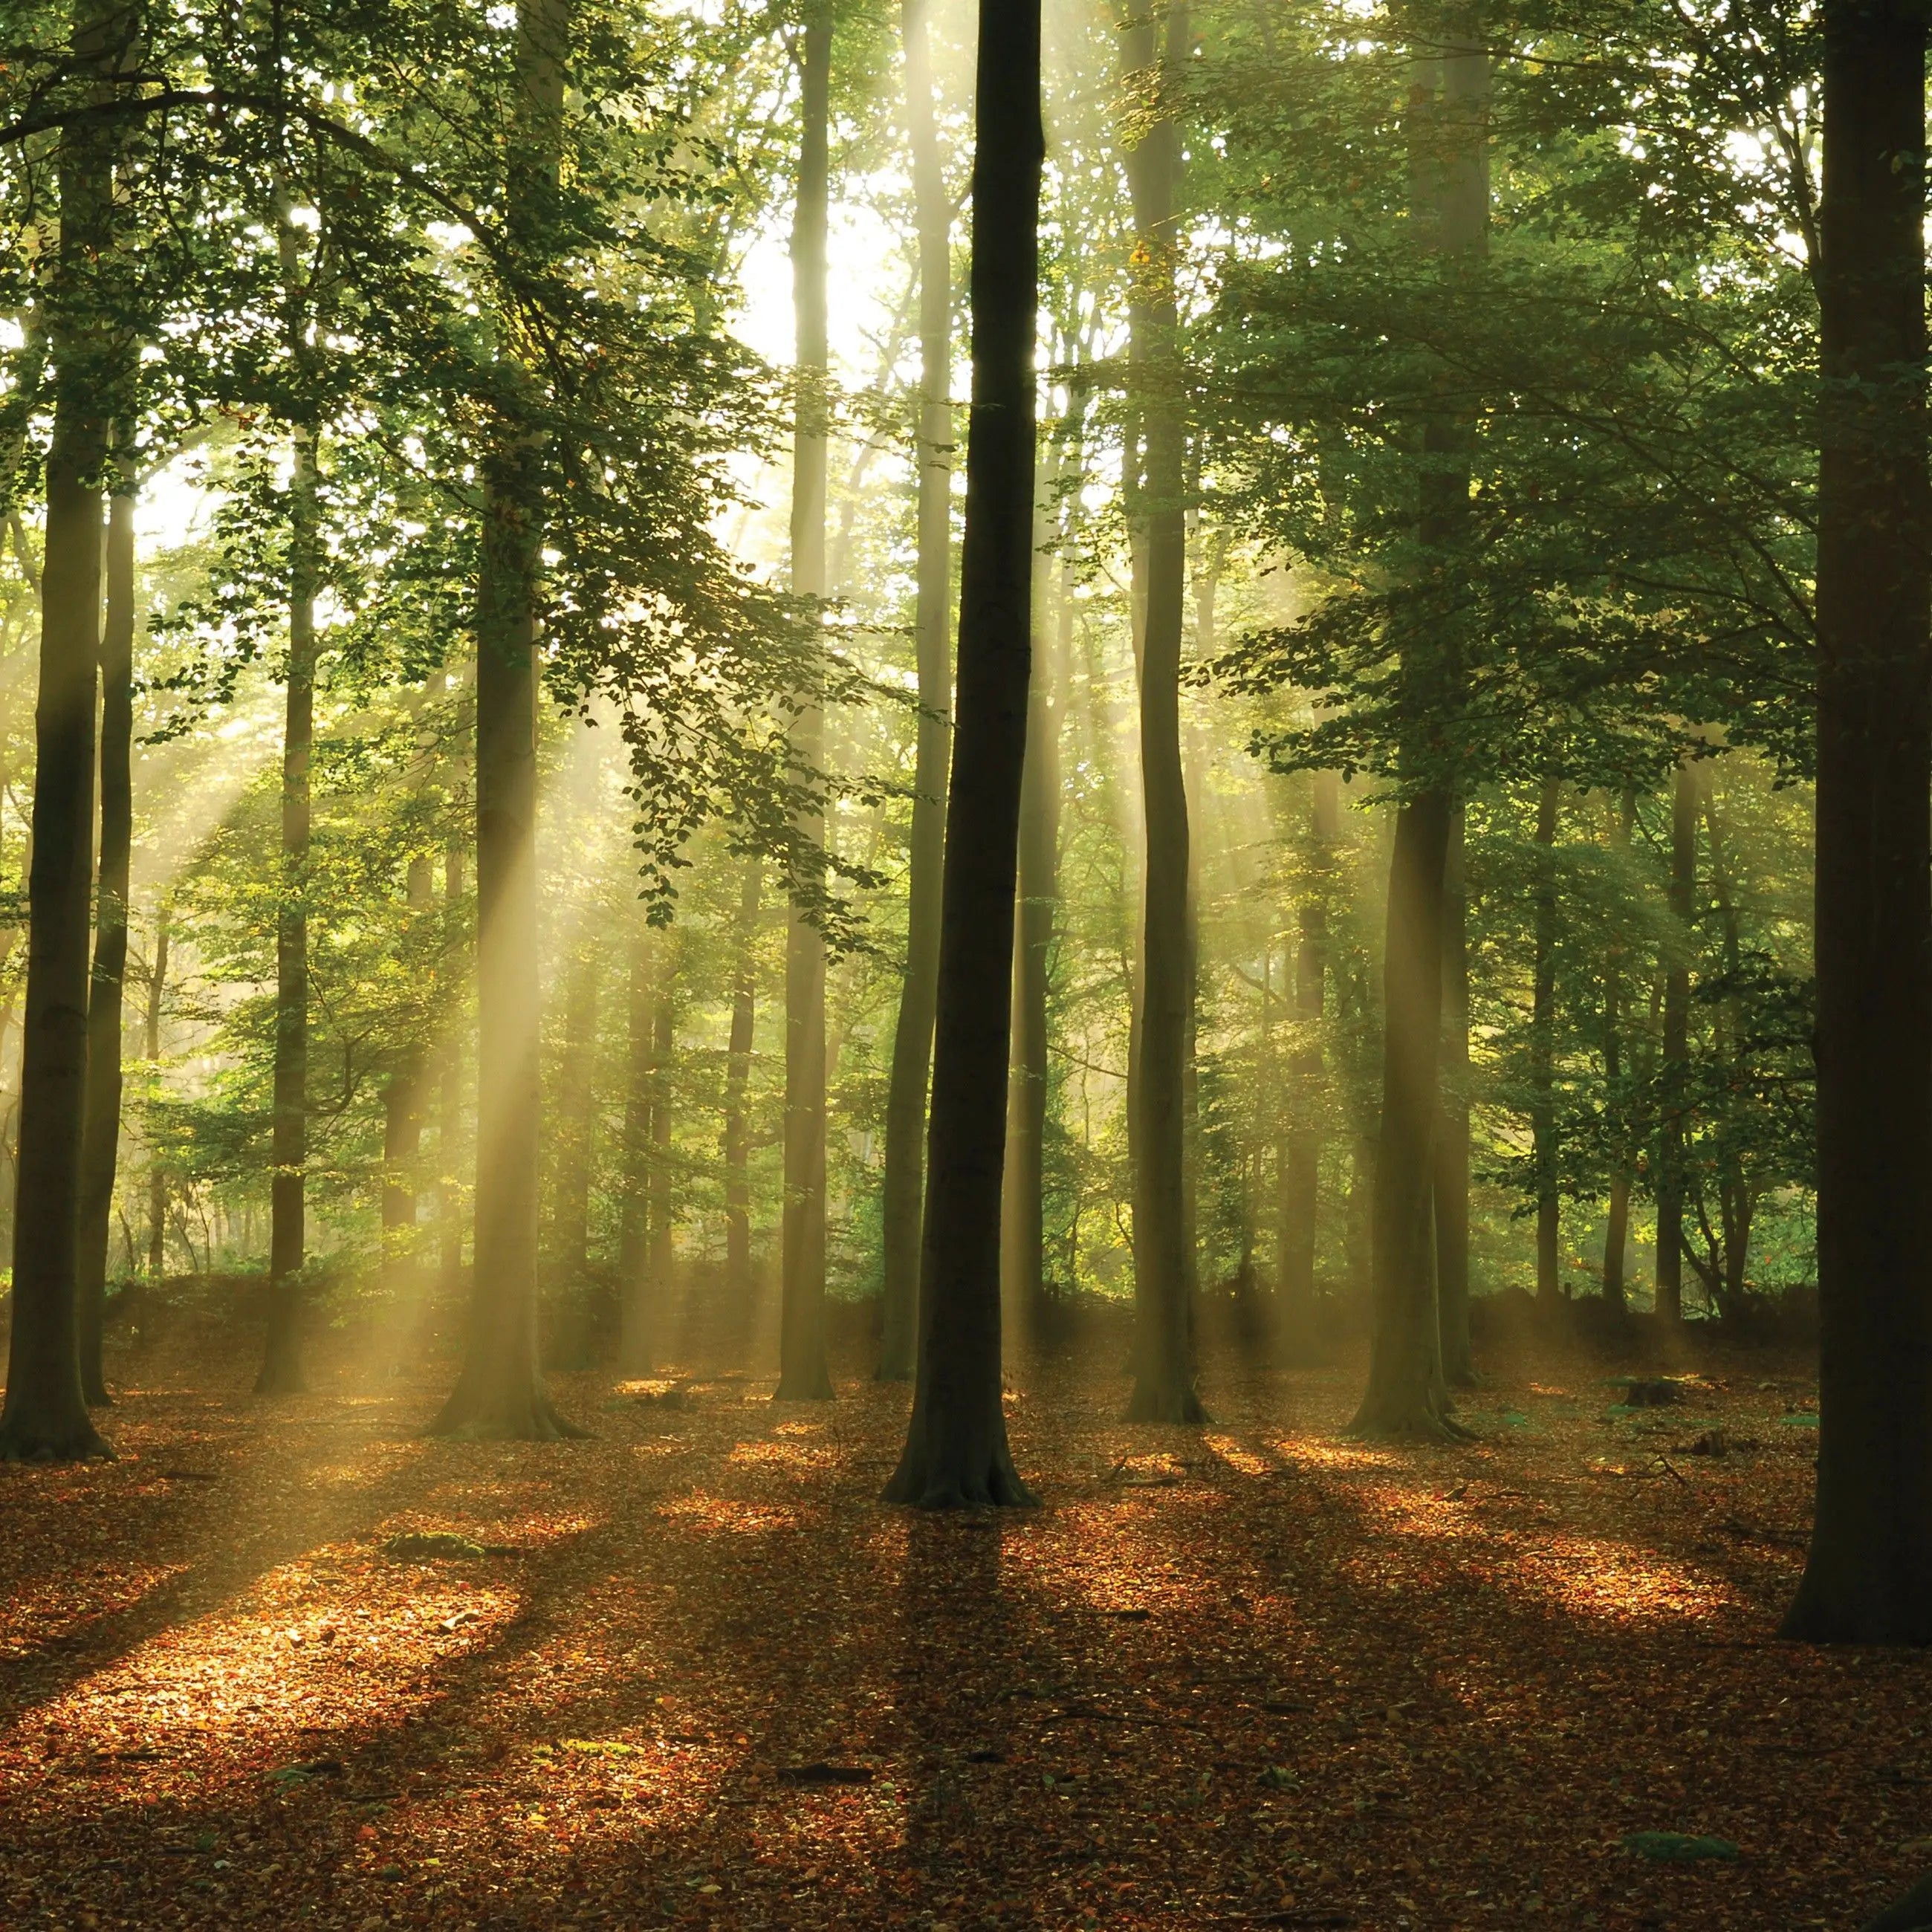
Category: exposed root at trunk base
[1374,1423]
[929,1484]
[806,1388]
[1165,1402]
[528,1416]
[21,1442]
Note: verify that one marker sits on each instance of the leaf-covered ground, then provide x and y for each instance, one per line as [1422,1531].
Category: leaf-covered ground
[1255,1674]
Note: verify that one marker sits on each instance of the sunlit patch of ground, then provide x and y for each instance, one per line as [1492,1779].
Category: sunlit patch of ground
[700,1676]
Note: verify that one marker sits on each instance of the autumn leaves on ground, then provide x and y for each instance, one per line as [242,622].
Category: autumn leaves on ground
[294,1662]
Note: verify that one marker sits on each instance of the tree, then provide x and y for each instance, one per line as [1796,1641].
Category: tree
[1449,1190]
[956,1453]
[499,1392]
[1163,1229]
[736,1141]
[100,1141]
[1675,1070]
[1868,1574]
[803,1374]
[1543,1052]
[45,1416]
[912,1036]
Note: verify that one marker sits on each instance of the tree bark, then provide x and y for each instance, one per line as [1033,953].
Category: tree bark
[1163,1232]
[402,1124]
[661,1257]
[1407,1395]
[1450,1188]
[738,1277]
[1616,1229]
[1868,1577]
[1675,1071]
[956,1452]
[45,1416]
[449,1125]
[500,1393]
[803,1373]
[1542,1055]
[101,1143]
[912,1039]
[281,1372]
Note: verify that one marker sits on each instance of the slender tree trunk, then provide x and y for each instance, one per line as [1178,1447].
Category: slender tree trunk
[738,1278]
[45,1416]
[449,1127]
[1022,1198]
[576,1116]
[661,1258]
[1451,1185]
[1299,1156]
[638,1325]
[1734,1191]
[1675,1070]
[1542,1054]
[1868,1577]
[281,1372]
[956,1452]
[500,1393]
[402,1116]
[1407,1395]
[157,1176]
[1616,1230]
[100,1144]
[1163,1234]
[912,1039]
[803,1373]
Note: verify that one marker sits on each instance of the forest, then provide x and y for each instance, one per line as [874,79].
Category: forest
[965,965]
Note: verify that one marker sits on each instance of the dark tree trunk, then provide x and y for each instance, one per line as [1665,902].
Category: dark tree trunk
[45,1416]
[1407,1395]
[1163,1233]
[402,1122]
[738,1279]
[1299,1156]
[660,1254]
[576,1116]
[1616,1229]
[803,1372]
[281,1372]
[1023,1266]
[1675,1073]
[1734,1201]
[956,1452]
[912,1039]
[1868,1577]
[1451,1185]
[157,1176]
[1542,1054]
[638,1311]
[101,1144]
[500,1393]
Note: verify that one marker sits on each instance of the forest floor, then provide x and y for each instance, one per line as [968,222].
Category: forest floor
[1253,1675]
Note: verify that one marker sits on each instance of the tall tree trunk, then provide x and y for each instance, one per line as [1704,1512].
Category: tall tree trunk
[1407,1394]
[660,1258]
[738,1279]
[1542,1054]
[500,1393]
[1675,1071]
[912,1039]
[803,1373]
[449,1125]
[402,1121]
[1734,1191]
[45,1416]
[637,1312]
[1022,1198]
[281,1372]
[1868,1577]
[101,1143]
[1163,1234]
[1616,1228]
[1299,1156]
[157,1175]
[576,1116]
[955,1451]
[1450,1188]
